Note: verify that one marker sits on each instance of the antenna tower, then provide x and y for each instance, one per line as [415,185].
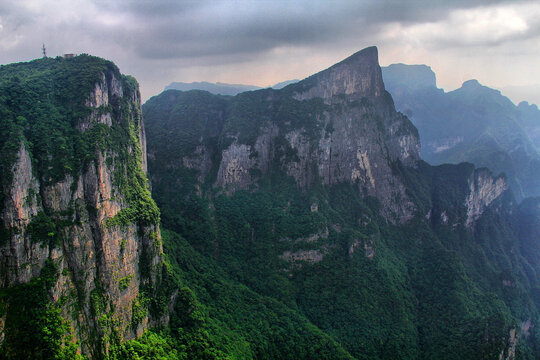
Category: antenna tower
[44,51]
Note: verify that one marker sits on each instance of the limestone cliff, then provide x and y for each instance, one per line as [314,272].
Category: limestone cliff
[359,75]
[96,224]
[484,188]
[315,195]
[337,126]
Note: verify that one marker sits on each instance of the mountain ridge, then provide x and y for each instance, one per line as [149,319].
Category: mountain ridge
[315,196]
[219,88]
[473,123]
[295,223]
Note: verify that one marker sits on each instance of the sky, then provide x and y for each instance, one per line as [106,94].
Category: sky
[262,42]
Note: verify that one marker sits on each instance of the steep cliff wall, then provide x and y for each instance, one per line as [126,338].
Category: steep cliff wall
[484,189]
[315,195]
[337,126]
[86,211]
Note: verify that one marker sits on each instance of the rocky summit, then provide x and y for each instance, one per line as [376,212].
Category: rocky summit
[338,126]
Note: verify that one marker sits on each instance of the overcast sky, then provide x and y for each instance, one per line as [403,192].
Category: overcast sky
[264,42]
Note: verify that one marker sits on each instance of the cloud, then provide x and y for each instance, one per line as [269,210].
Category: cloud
[224,28]
[234,29]
[244,28]
[478,27]
[163,40]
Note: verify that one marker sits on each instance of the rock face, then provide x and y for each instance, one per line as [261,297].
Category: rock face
[21,259]
[360,136]
[359,76]
[103,258]
[337,126]
[315,195]
[510,352]
[484,189]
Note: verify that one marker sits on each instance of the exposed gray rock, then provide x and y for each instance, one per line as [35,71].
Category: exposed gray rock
[483,190]
[359,137]
[234,169]
[509,352]
[310,256]
[20,258]
[199,160]
[358,75]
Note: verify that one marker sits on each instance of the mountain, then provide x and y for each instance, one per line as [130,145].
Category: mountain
[282,84]
[314,199]
[530,121]
[81,264]
[221,88]
[319,140]
[414,77]
[529,93]
[297,223]
[214,88]
[473,123]
[82,269]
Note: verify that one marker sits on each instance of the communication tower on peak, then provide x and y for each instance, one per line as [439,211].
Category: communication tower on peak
[44,51]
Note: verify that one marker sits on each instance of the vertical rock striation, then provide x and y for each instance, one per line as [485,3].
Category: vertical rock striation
[483,190]
[337,126]
[101,226]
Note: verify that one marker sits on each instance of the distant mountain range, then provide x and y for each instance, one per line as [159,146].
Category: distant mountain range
[530,93]
[474,123]
[222,88]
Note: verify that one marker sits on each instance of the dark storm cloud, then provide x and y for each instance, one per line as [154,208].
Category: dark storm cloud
[222,29]
[157,40]
[194,37]
[13,16]
[192,29]
[415,11]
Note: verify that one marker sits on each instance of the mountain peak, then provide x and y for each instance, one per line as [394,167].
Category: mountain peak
[473,83]
[368,54]
[359,75]
[410,76]
[473,87]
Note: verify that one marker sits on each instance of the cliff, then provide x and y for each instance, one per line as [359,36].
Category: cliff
[76,203]
[315,196]
[484,189]
[337,126]
[414,77]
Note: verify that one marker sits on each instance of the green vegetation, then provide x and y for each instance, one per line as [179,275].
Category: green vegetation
[123,283]
[48,109]
[420,285]
[47,96]
[428,289]
[273,272]
[42,229]
[43,106]
[239,321]
[34,327]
